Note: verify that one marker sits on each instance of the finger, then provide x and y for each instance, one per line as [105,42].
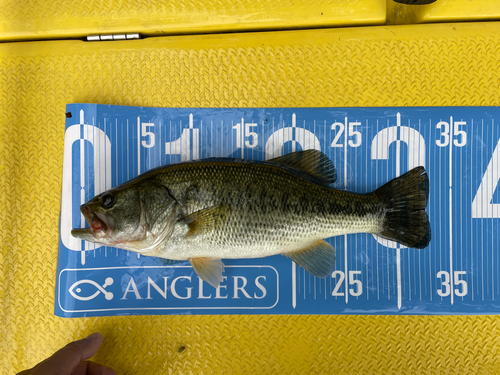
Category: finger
[65,360]
[92,368]
[97,369]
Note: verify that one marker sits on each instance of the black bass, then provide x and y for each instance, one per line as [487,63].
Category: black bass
[212,209]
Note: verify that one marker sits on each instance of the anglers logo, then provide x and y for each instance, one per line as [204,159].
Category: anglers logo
[100,289]
[148,288]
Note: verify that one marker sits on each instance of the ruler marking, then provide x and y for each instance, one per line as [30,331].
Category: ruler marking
[116,153]
[355,172]
[398,173]
[128,153]
[96,175]
[492,225]
[419,253]
[82,182]
[117,182]
[451,208]
[460,187]
[345,188]
[411,158]
[242,138]
[471,232]
[294,285]
[435,253]
[366,235]
[482,228]
[159,157]
[377,244]
[138,145]
[138,154]
[105,174]
[492,222]
[128,164]
[314,286]
[211,137]
[387,249]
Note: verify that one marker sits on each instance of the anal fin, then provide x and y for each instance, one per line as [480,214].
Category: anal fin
[208,269]
[318,259]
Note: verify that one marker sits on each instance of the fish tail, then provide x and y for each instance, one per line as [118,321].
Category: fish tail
[405,200]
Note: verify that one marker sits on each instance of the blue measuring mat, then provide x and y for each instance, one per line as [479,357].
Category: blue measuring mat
[106,146]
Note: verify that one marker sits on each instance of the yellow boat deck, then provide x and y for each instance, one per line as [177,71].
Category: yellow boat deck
[445,64]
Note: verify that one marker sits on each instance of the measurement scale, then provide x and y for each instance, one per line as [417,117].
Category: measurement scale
[459,147]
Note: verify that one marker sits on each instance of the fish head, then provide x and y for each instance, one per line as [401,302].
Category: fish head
[135,217]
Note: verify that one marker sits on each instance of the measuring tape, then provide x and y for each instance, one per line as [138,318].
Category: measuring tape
[459,147]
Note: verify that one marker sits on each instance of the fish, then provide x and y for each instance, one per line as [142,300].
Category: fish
[223,208]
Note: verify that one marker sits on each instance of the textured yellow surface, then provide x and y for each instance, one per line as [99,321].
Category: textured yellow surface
[455,64]
[40,19]
[442,11]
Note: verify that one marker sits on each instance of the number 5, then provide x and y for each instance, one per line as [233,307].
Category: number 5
[145,133]
[462,283]
[355,134]
[461,133]
[248,133]
[353,281]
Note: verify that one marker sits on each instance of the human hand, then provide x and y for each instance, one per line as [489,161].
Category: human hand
[72,360]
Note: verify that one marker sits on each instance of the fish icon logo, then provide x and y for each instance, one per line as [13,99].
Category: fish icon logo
[74,290]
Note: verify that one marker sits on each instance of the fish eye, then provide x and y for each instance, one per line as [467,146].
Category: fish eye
[108,200]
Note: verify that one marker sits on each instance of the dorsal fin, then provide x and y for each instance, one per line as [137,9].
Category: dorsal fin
[311,162]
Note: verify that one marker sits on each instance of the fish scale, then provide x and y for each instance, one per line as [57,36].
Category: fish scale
[283,210]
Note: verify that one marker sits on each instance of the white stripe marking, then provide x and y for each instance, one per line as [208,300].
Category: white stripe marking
[138,145]
[398,249]
[82,181]
[345,188]
[451,216]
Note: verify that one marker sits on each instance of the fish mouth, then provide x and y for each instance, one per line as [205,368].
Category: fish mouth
[100,224]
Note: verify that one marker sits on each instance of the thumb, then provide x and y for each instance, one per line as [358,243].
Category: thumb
[65,360]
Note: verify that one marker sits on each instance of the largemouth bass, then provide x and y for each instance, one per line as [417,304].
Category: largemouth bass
[212,209]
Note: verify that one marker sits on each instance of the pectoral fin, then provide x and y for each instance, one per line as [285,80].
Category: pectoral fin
[206,220]
[318,259]
[208,269]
